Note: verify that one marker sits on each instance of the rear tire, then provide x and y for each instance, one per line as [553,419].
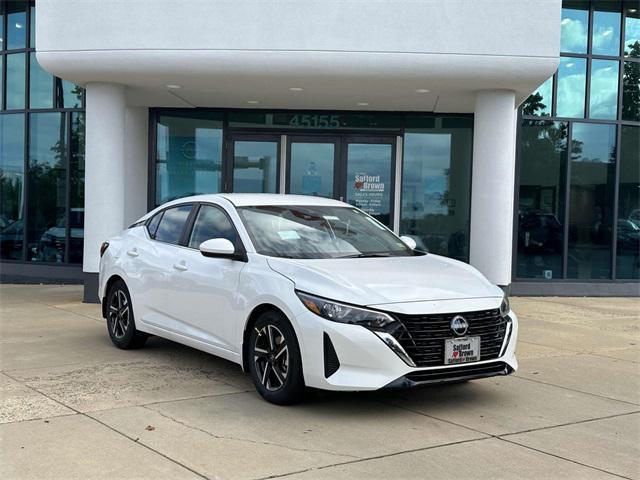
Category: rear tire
[121,324]
[274,360]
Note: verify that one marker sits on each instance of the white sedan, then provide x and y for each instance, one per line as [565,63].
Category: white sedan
[303,292]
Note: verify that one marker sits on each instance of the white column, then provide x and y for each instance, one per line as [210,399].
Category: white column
[104,168]
[136,154]
[493,181]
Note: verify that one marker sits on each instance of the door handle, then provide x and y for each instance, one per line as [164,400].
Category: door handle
[133,252]
[180,267]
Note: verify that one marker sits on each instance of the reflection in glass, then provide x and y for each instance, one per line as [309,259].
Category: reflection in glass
[211,222]
[11,186]
[32,28]
[15,80]
[541,204]
[47,223]
[1,31]
[631,91]
[603,99]
[628,242]
[573,29]
[189,155]
[591,201]
[172,224]
[69,95]
[40,85]
[76,188]
[255,166]
[540,101]
[571,87]
[369,179]
[632,33]
[312,168]
[16,24]
[606,32]
[436,185]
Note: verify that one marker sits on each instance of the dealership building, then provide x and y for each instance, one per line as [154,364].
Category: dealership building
[502,133]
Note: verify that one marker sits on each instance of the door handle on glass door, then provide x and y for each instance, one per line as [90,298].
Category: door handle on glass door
[180,266]
[133,252]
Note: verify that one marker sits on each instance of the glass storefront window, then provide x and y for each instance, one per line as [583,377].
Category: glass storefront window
[436,186]
[16,73]
[632,33]
[605,38]
[603,96]
[540,102]
[32,28]
[541,199]
[628,224]
[255,166]
[40,85]
[571,87]
[47,222]
[591,201]
[11,186]
[631,91]
[76,188]
[16,24]
[574,27]
[189,155]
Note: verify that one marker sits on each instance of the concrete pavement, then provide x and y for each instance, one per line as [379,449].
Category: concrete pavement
[72,406]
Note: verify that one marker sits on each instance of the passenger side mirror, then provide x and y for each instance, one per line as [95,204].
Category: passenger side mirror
[409,242]
[218,248]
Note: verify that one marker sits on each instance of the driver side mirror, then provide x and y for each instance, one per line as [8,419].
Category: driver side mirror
[409,242]
[221,248]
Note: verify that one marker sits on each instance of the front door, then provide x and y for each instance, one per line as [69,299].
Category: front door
[355,169]
[254,164]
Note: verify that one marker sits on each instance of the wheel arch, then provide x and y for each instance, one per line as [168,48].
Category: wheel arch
[112,279]
[251,320]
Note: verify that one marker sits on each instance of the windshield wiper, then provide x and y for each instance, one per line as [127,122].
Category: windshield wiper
[365,255]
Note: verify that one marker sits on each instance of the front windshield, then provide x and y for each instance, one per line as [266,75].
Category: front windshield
[319,232]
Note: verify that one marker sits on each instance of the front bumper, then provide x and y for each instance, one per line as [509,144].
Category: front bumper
[367,363]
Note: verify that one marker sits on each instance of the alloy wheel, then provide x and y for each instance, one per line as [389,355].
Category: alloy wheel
[271,357]
[119,314]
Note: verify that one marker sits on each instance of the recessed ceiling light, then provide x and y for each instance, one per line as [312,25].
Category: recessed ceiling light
[253,102]
[422,90]
[633,10]
[362,104]
[296,89]
[173,86]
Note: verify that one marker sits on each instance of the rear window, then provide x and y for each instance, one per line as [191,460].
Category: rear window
[172,224]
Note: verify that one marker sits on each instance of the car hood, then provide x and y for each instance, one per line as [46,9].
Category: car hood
[392,280]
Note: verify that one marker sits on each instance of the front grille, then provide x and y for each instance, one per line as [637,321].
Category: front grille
[463,372]
[423,336]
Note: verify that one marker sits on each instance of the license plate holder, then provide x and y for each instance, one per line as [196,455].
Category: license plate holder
[461,350]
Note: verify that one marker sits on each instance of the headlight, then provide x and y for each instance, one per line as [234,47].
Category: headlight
[504,307]
[339,312]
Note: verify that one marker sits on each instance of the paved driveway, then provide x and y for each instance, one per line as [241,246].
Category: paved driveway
[73,406]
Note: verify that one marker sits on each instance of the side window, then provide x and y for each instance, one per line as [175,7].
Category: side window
[211,222]
[172,224]
[153,224]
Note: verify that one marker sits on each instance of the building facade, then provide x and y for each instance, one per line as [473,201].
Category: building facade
[421,113]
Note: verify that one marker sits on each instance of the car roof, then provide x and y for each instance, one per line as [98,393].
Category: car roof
[261,199]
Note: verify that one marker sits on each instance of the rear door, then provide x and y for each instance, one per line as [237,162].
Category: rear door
[208,286]
[159,262]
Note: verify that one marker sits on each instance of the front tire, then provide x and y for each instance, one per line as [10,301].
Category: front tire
[274,360]
[121,324]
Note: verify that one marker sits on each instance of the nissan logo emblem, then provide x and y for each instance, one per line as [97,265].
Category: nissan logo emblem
[459,325]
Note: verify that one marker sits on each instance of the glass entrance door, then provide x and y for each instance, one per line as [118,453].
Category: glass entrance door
[369,176]
[254,167]
[355,169]
[311,165]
